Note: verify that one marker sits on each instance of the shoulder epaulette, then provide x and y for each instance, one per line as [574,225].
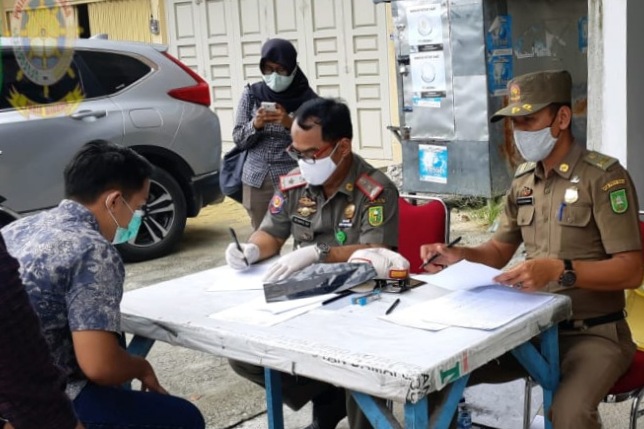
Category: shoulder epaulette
[291,181]
[599,160]
[524,168]
[369,186]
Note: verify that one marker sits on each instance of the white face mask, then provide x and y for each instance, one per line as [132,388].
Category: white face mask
[277,82]
[534,145]
[319,172]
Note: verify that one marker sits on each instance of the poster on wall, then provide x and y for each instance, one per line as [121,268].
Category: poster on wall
[432,163]
[424,25]
[498,42]
[428,78]
[499,72]
[499,36]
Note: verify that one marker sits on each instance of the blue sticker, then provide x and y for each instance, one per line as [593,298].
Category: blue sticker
[582,34]
[432,163]
[498,39]
[499,73]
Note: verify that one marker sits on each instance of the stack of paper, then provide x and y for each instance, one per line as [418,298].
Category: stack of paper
[462,275]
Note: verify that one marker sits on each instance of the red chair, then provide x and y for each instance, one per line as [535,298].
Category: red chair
[631,385]
[421,224]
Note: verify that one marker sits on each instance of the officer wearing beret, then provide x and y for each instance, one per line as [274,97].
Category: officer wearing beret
[333,204]
[577,213]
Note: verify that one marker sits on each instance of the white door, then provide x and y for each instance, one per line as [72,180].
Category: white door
[342,48]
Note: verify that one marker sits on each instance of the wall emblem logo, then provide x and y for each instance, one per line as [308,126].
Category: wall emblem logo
[43,33]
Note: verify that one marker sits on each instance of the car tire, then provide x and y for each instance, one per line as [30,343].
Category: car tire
[163,223]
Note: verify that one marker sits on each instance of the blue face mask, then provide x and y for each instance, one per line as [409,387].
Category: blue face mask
[277,82]
[123,235]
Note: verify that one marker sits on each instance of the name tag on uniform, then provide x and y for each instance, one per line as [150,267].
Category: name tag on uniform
[525,201]
[299,221]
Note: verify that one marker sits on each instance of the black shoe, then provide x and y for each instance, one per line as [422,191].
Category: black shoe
[328,409]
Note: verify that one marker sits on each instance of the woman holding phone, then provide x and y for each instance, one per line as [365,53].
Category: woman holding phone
[263,122]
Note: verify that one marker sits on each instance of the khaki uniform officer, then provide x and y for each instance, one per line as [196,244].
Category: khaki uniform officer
[334,204]
[363,210]
[576,212]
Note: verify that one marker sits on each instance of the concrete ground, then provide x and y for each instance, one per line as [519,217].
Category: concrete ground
[225,399]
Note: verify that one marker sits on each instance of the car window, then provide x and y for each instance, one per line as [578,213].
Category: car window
[18,91]
[104,73]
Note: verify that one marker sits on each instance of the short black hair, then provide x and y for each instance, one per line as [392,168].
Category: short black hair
[332,115]
[101,165]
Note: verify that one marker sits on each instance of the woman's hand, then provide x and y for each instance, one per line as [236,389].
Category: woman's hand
[279,116]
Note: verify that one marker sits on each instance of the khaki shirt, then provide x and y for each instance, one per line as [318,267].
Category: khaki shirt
[347,217]
[586,210]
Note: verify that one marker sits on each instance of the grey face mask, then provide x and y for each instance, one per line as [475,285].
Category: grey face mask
[534,145]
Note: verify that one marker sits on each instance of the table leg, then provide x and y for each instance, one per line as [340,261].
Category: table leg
[542,366]
[378,414]
[550,350]
[447,411]
[140,346]
[274,406]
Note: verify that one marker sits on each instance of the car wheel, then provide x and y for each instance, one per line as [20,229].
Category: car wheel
[164,220]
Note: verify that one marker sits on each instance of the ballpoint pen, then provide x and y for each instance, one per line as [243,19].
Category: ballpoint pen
[232,232]
[430,260]
[392,306]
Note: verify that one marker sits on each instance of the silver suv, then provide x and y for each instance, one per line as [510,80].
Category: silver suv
[132,94]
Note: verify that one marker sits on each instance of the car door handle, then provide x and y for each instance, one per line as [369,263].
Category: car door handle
[82,114]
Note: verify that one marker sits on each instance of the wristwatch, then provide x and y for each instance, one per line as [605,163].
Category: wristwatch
[323,250]
[568,278]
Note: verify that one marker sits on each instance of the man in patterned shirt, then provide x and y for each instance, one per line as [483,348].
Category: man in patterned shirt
[74,277]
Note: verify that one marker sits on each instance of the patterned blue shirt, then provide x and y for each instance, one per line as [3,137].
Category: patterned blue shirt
[266,147]
[73,275]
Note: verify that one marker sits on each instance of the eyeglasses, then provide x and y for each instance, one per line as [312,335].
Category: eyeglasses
[308,156]
[279,70]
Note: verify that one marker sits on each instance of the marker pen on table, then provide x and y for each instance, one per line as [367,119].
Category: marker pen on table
[393,306]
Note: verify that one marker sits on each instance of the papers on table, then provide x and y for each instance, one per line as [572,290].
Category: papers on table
[462,275]
[229,279]
[487,307]
[412,316]
[259,312]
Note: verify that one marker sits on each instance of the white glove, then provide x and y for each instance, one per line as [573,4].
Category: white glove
[292,262]
[385,261]
[235,258]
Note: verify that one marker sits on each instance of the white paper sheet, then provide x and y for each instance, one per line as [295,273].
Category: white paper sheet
[462,276]
[259,312]
[486,307]
[229,279]
[412,316]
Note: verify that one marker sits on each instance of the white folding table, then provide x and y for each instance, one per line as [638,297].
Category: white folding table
[345,345]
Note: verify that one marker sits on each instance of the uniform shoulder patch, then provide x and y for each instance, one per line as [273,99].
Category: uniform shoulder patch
[369,186]
[291,181]
[599,160]
[524,168]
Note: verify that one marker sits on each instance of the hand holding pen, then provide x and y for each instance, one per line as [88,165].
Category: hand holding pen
[234,235]
[437,254]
